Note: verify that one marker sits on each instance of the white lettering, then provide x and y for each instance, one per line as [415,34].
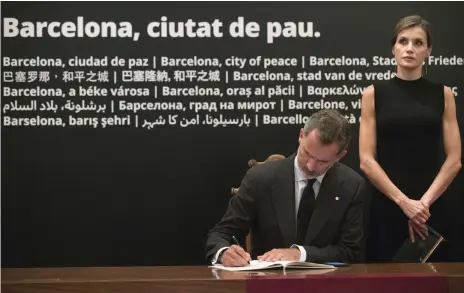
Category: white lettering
[340,61]
[195,91]
[32,92]
[32,121]
[35,62]
[12,28]
[184,62]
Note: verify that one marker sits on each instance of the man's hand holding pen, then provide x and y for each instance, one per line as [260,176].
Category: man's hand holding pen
[235,256]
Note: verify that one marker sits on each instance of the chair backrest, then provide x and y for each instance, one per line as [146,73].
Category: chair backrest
[253,162]
[234,190]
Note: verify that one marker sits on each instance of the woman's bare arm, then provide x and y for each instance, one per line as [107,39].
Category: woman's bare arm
[452,146]
[372,169]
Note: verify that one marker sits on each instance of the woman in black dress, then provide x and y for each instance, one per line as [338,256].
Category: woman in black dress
[404,121]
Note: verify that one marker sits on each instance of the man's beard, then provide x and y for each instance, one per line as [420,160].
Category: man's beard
[315,173]
[309,173]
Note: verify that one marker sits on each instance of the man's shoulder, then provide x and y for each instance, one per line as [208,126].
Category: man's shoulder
[268,170]
[350,181]
[348,173]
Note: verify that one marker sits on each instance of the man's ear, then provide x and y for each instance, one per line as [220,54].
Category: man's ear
[301,135]
[341,155]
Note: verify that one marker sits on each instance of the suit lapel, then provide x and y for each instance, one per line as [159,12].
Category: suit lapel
[283,199]
[324,202]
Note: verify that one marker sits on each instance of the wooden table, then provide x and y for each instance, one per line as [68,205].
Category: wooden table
[433,277]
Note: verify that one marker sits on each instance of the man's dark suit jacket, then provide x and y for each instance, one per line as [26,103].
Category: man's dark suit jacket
[266,204]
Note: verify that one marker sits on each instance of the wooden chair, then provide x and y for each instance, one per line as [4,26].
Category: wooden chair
[234,190]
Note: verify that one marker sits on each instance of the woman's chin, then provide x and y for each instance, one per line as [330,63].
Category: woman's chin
[409,65]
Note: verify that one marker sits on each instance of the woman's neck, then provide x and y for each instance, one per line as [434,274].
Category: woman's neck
[408,74]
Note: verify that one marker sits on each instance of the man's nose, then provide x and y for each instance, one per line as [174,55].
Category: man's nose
[311,164]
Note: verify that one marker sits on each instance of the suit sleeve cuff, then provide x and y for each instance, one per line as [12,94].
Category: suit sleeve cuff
[215,259]
[302,252]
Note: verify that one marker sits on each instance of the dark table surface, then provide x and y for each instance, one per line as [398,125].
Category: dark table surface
[205,279]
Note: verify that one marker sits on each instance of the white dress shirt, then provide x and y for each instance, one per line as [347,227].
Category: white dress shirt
[300,184]
[301,180]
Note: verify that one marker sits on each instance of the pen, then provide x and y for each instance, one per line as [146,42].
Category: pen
[236,242]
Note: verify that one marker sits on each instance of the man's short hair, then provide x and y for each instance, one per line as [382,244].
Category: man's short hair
[332,127]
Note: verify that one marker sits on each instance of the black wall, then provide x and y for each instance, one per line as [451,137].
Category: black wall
[121,195]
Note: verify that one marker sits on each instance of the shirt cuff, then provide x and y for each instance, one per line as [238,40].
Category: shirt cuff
[215,259]
[302,252]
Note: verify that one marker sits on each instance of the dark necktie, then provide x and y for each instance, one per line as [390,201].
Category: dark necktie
[305,211]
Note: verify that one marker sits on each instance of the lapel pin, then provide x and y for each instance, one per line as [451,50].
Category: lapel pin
[336,198]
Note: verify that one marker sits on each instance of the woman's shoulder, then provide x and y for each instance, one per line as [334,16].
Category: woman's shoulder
[377,86]
[433,83]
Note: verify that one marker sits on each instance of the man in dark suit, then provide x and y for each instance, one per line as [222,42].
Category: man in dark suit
[307,207]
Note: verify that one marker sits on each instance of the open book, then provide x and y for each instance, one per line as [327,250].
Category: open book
[257,265]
